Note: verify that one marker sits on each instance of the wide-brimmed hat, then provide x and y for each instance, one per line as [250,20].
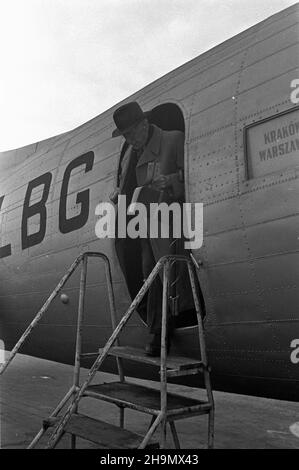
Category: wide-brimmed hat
[126,117]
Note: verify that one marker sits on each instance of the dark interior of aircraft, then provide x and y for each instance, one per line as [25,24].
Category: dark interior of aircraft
[167,116]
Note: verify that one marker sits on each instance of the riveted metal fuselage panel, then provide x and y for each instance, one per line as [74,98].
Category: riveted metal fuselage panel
[249,275]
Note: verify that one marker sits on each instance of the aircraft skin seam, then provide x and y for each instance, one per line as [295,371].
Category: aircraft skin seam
[234,41]
[228,98]
[240,189]
[241,156]
[166,79]
[32,158]
[203,278]
[241,93]
[232,194]
[224,77]
[252,291]
[268,108]
[261,377]
[256,322]
[250,354]
[12,206]
[239,227]
[199,72]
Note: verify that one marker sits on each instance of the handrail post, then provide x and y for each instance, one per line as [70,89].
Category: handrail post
[40,314]
[58,431]
[114,325]
[54,413]
[77,391]
[82,291]
[163,377]
[202,344]
[113,313]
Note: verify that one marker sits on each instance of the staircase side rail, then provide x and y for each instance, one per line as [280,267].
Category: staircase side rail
[58,431]
[76,377]
[163,262]
[41,313]
[54,294]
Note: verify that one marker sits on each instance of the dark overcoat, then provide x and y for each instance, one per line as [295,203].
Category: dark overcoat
[163,155]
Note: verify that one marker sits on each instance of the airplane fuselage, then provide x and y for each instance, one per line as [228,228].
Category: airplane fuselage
[241,129]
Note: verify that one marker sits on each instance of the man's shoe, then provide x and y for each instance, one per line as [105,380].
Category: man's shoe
[153,348]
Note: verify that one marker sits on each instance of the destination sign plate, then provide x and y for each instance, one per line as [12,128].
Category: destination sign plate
[273,145]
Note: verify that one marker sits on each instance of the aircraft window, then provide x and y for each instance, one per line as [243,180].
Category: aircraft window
[272,144]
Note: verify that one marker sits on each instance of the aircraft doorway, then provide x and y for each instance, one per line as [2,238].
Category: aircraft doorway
[167,117]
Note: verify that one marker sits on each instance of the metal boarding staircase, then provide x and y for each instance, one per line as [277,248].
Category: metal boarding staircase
[164,407]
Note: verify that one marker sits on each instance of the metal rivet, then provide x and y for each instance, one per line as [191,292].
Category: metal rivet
[64,298]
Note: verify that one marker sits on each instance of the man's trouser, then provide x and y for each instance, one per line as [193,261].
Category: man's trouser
[154,296]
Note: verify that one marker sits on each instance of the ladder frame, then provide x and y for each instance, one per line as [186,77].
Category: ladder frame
[76,392]
[165,264]
[82,260]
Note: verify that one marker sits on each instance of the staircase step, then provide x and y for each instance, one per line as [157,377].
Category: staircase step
[146,399]
[105,435]
[175,365]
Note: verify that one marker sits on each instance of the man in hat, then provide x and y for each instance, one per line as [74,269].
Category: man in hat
[154,158]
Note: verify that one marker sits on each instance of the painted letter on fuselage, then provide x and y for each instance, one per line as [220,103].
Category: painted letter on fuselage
[4,250]
[37,208]
[78,221]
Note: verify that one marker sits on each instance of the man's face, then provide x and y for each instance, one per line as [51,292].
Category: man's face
[137,136]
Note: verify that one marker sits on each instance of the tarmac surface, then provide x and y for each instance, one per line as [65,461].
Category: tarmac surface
[31,388]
